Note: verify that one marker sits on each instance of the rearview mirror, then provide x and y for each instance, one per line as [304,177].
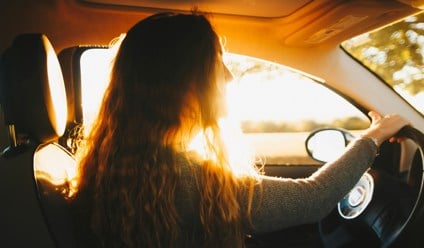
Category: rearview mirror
[326,145]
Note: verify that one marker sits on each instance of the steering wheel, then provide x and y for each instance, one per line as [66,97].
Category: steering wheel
[384,209]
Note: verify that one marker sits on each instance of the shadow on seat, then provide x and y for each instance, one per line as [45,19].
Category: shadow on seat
[34,169]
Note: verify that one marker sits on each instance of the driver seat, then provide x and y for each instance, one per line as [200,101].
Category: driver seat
[35,170]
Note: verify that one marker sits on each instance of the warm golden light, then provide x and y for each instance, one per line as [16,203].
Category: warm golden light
[240,154]
[57,89]
[96,65]
[271,92]
[95,75]
[262,92]
[54,165]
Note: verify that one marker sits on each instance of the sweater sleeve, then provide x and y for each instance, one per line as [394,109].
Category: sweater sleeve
[282,202]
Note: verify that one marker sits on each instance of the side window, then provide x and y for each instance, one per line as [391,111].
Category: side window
[95,66]
[277,109]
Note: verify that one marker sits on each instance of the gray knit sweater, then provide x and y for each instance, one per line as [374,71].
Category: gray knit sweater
[282,202]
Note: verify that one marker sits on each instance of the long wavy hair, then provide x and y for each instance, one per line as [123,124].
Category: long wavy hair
[163,88]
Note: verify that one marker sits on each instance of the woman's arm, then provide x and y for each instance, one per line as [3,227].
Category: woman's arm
[281,202]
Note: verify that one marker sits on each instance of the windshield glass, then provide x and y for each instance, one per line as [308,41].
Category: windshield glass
[396,54]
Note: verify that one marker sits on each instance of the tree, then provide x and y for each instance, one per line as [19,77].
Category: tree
[395,53]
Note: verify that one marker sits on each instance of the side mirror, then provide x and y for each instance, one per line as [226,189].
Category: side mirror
[325,145]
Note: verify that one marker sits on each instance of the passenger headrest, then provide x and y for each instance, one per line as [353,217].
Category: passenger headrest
[32,93]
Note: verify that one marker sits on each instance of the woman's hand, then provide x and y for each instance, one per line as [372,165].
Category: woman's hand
[384,127]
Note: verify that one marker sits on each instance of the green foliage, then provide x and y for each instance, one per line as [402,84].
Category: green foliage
[395,53]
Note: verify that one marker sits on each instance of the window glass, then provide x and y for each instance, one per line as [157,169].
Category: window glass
[396,54]
[276,107]
[95,66]
[267,98]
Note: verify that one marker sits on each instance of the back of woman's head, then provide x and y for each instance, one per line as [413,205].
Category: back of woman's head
[165,69]
[163,86]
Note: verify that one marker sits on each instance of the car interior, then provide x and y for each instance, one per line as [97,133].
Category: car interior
[34,165]
[53,51]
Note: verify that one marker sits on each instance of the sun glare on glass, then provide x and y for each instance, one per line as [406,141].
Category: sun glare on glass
[270,92]
[263,94]
[95,74]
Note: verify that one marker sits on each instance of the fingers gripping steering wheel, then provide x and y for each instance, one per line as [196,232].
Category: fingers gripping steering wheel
[382,210]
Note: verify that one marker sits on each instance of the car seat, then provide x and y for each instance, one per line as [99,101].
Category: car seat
[35,171]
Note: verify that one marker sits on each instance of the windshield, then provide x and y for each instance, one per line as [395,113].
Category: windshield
[396,54]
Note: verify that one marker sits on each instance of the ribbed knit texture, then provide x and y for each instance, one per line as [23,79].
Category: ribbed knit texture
[282,202]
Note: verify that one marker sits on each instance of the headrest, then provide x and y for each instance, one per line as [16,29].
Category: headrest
[32,93]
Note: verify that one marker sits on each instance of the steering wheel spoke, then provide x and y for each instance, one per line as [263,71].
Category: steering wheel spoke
[379,209]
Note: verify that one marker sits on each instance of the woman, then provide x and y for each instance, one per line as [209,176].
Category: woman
[138,184]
